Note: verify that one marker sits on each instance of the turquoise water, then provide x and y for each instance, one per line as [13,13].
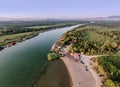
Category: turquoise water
[22,63]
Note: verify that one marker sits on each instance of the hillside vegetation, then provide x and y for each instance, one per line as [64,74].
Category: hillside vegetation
[92,39]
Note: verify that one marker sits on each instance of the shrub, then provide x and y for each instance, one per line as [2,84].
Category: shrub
[52,56]
[109,83]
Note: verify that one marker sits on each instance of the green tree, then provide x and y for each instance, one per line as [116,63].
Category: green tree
[109,83]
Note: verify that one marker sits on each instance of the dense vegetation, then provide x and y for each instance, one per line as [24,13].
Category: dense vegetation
[111,65]
[92,39]
[109,24]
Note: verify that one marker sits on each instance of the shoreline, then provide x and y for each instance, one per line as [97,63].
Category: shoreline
[52,76]
[13,43]
[75,69]
[69,75]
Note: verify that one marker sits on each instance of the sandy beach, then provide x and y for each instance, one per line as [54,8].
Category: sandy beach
[78,74]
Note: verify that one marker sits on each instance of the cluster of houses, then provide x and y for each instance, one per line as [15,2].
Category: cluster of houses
[64,51]
[72,55]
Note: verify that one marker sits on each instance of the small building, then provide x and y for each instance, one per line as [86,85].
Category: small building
[53,47]
[75,55]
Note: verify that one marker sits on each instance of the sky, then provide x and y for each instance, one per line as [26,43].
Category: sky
[59,8]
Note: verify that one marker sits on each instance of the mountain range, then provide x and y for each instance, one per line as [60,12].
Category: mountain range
[36,19]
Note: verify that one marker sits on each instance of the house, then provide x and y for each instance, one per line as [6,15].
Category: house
[75,55]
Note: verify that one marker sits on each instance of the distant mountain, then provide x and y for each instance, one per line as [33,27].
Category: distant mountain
[57,19]
[17,19]
[3,19]
[103,18]
[114,17]
[32,19]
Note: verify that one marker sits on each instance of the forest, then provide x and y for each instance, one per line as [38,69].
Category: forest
[93,39]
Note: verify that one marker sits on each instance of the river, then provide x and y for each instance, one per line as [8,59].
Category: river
[22,63]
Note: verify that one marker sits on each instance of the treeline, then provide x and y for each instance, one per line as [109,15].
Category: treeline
[15,27]
[92,39]
[16,30]
[108,24]
[37,23]
[111,66]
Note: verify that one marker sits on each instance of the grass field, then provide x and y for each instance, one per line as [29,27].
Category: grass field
[15,37]
[37,27]
[49,26]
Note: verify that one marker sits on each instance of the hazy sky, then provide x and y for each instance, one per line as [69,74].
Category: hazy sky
[59,8]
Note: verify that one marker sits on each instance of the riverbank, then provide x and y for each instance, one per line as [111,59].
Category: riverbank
[9,40]
[78,74]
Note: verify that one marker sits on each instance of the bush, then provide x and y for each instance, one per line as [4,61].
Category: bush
[111,65]
[52,56]
[109,83]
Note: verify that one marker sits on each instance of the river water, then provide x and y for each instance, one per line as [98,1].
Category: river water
[20,64]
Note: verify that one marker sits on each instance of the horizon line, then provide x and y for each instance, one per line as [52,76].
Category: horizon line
[38,17]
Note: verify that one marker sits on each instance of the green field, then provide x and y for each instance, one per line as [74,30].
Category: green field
[14,36]
[50,26]
[4,40]
[37,27]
